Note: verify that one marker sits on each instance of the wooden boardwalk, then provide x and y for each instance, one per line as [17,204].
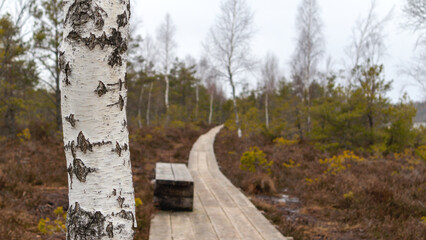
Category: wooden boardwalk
[221,211]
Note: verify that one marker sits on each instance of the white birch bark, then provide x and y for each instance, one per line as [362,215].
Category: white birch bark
[140,105]
[211,108]
[94,95]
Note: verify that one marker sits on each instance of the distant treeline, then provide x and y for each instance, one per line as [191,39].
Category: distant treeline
[357,115]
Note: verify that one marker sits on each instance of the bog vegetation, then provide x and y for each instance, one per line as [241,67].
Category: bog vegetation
[332,138]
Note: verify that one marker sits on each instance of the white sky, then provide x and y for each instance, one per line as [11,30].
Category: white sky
[276,31]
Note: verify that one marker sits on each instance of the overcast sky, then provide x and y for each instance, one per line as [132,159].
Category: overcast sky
[276,31]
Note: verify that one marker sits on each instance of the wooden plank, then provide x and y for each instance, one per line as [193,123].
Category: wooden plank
[221,223]
[201,224]
[181,173]
[161,227]
[163,171]
[181,226]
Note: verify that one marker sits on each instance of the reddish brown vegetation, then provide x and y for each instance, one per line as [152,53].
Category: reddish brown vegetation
[33,180]
[378,198]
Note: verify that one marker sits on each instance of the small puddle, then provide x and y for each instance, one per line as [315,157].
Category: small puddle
[281,198]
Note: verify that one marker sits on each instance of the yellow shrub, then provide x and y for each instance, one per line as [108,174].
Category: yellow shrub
[138,202]
[255,159]
[24,135]
[340,163]
[310,180]
[291,164]
[46,226]
[348,195]
[284,142]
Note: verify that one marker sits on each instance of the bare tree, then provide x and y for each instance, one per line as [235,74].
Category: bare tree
[415,12]
[2,2]
[270,74]
[228,44]
[368,41]
[167,45]
[309,49]
[93,62]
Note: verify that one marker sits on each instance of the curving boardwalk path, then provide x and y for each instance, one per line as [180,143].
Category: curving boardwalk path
[221,211]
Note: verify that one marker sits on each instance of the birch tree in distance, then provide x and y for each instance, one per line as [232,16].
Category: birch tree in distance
[269,76]
[309,48]
[94,97]
[166,47]
[228,44]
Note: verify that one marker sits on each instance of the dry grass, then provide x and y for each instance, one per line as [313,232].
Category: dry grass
[371,198]
[33,179]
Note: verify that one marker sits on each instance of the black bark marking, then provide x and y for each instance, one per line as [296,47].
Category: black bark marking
[109,230]
[128,9]
[118,149]
[124,123]
[83,225]
[101,89]
[100,144]
[120,201]
[99,20]
[83,143]
[120,84]
[114,192]
[115,40]
[122,20]
[71,120]
[128,216]
[71,146]
[125,82]
[120,103]
[81,171]
[82,11]
[69,170]
[115,59]
[67,71]
[61,60]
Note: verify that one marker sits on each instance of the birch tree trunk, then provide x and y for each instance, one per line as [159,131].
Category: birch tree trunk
[94,97]
[140,106]
[166,97]
[211,108]
[148,107]
[234,101]
[197,100]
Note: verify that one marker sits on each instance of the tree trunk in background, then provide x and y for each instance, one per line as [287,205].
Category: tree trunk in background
[140,106]
[234,101]
[267,111]
[211,109]
[197,100]
[166,97]
[148,107]
[94,97]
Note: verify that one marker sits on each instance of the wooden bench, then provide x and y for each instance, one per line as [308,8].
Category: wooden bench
[174,187]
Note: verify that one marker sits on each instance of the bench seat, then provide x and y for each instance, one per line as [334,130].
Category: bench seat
[174,187]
